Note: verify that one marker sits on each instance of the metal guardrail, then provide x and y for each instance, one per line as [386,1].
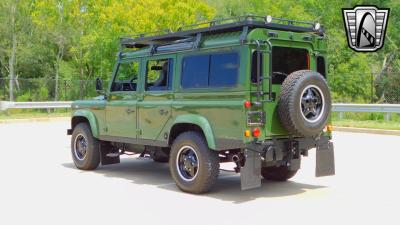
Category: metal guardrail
[382,108]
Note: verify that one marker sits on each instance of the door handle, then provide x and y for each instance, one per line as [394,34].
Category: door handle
[129,111]
[163,112]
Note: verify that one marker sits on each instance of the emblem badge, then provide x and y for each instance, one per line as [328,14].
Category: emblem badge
[365,27]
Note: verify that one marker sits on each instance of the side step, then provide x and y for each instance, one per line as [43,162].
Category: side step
[117,154]
[113,154]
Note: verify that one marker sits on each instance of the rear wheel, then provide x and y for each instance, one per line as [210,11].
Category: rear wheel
[193,166]
[84,148]
[281,173]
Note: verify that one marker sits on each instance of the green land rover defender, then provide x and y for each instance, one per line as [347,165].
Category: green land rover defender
[250,90]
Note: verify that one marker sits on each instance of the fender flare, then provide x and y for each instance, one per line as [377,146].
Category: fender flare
[200,121]
[90,117]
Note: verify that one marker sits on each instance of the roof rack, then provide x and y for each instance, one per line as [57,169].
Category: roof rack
[241,23]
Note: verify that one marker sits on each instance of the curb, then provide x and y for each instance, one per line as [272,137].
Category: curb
[367,130]
[39,119]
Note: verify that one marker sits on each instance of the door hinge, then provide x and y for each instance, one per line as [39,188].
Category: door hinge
[139,131]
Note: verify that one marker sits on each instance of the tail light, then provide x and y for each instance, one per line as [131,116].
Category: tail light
[256,132]
[247,104]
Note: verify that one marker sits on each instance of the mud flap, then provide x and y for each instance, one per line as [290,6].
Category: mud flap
[106,148]
[250,173]
[325,160]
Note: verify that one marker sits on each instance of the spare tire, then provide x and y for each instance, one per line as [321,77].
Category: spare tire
[304,103]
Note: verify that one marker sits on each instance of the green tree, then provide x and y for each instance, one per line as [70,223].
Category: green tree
[79,39]
[87,32]
[9,19]
[351,73]
[51,18]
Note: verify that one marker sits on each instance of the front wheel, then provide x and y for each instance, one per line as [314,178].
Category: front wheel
[193,166]
[84,148]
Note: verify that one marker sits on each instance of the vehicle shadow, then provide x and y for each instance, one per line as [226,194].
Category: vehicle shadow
[227,188]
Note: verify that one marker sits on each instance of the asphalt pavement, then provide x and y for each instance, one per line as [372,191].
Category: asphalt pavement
[40,185]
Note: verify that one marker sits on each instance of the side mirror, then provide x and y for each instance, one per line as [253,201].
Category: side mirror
[99,85]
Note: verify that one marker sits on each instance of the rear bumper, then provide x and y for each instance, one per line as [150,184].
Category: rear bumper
[285,152]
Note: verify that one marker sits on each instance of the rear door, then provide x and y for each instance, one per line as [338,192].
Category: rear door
[155,108]
[287,57]
[121,104]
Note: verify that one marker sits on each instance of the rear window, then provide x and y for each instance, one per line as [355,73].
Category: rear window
[211,70]
[287,60]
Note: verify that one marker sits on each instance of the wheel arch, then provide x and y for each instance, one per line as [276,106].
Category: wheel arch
[192,123]
[85,116]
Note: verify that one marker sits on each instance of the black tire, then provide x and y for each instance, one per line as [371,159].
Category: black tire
[296,107]
[281,173]
[207,161]
[89,160]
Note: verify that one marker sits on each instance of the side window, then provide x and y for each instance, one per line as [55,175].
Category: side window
[254,66]
[215,70]
[321,65]
[126,78]
[195,71]
[224,70]
[159,75]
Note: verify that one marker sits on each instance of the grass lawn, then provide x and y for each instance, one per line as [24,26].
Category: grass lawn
[32,115]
